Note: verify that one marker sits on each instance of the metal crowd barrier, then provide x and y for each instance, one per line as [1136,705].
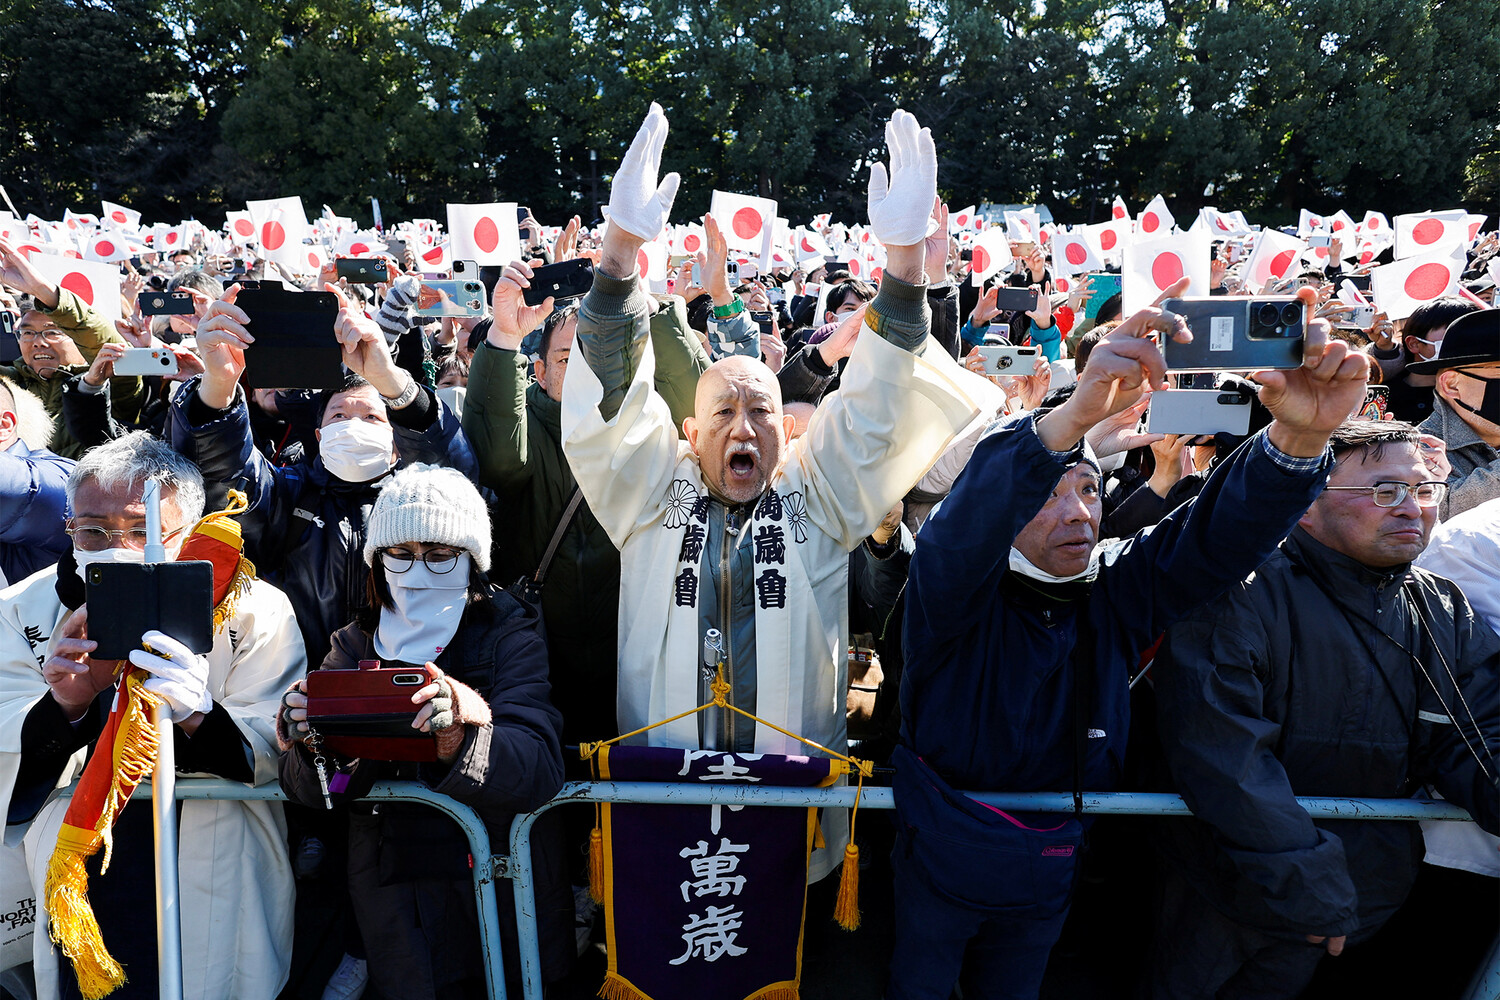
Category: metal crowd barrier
[517,864]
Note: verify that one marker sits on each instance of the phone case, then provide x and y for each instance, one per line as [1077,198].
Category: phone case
[294,343]
[564,280]
[1002,360]
[165,304]
[1198,411]
[1015,299]
[367,712]
[361,270]
[147,361]
[1232,334]
[463,298]
[127,600]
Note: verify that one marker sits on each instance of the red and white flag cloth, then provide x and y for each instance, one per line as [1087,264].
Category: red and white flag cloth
[1118,212]
[241,227]
[689,239]
[1023,227]
[748,223]
[96,283]
[1111,238]
[120,217]
[282,238]
[1274,257]
[809,244]
[1426,233]
[991,252]
[110,247]
[167,239]
[1220,225]
[311,258]
[651,261]
[820,222]
[1072,252]
[75,221]
[1399,288]
[1474,223]
[1310,224]
[434,259]
[361,244]
[486,234]
[1151,266]
[293,215]
[961,220]
[1374,226]
[1341,226]
[1155,220]
[1351,296]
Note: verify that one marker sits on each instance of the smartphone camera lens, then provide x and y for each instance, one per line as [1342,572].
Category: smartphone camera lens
[1267,314]
[1291,314]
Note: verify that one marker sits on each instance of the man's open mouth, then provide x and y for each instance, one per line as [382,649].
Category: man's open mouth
[742,465]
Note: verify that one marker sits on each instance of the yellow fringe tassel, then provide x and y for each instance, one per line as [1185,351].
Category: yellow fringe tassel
[596,865]
[617,987]
[780,991]
[74,928]
[846,908]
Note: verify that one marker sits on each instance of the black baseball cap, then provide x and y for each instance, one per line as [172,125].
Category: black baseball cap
[1472,339]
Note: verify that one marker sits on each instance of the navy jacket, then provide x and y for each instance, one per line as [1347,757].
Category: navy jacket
[33,500]
[305,529]
[987,696]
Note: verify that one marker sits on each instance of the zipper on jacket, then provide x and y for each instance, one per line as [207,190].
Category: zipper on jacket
[727,720]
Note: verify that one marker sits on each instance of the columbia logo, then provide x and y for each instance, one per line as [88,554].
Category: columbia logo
[1059,851]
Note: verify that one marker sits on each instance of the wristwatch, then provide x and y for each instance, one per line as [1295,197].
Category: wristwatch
[735,307]
[405,397]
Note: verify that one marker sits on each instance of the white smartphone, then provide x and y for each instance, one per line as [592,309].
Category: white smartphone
[1198,411]
[146,361]
[1001,360]
[1359,318]
[466,269]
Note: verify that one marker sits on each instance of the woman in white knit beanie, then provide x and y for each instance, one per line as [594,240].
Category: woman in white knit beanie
[496,735]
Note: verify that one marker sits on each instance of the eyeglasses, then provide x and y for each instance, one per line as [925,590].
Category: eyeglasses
[92,538]
[438,560]
[1393,494]
[51,333]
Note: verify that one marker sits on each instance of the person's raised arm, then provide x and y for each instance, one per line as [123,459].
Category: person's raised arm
[901,204]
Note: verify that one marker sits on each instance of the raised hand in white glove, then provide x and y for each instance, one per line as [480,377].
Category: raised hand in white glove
[901,203]
[178,675]
[637,204]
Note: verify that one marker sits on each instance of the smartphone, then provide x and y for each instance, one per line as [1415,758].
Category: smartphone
[362,270]
[1376,405]
[165,304]
[522,213]
[762,320]
[294,343]
[775,295]
[1105,285]
[1000,360]
[465,269]
[697,279]
[146,361]
[367,712]
[10,347]
[450,298]
[1015,299]
[127,600]
[1198,411]
[1359,318]
[1319,241]
[732,268]
[566,279]
[1360,281]
[396,248]
[1238,334]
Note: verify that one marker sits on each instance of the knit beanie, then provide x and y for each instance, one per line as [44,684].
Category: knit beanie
[430,503]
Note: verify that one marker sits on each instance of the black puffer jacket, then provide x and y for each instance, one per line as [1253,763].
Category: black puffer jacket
[1286,687]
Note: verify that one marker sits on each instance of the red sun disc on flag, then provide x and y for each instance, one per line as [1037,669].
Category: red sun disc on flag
[855,267]
[1428,281]
[1474,229]
[244,227]
[172,237]
[1315,222]
[313,261]
[1338,224]
[691,243]
[1165,269]
[1281,262]
[1427,232]
[875,274]
[1373,223]
[118,216]
[486,234]
[746,223]
[642,263]
[1046,236]
[1063,285]
[1108,239]
[1119,212]
[434,255]
[359,248]
[1320,252]
[1366,256]
[1150,223]
[981,260]
[105,248]
[79,286]
[962,220]
[273,235]
[1076,254]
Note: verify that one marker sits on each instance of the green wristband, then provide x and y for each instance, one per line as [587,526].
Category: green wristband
[735,307]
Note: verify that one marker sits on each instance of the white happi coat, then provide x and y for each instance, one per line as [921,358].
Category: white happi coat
[864,449]
[235,879]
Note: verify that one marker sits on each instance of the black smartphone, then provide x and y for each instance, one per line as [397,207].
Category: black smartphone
[564,280]
[522,213]
[362,270]
[1232,334]
[1015,299]
[396,248]
[166,304]
[10,347]
[127,600]
[1360,281]
[762,320]
[294,342]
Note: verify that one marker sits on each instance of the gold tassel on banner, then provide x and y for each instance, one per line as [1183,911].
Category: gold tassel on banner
[617,987]
[846,907]
[596,858]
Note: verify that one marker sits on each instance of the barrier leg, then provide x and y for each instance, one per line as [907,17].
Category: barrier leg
[1486,982]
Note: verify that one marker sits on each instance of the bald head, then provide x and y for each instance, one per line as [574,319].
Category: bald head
[738,430]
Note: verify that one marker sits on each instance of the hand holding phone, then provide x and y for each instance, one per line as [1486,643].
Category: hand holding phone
[178,303]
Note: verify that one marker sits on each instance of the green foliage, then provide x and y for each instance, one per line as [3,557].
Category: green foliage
[192,106]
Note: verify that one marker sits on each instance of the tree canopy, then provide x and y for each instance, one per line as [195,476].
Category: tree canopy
[180,107]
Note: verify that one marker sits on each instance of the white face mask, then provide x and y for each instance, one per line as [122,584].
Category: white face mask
[112,555]
[1025,567]
[426,612]
[357,451]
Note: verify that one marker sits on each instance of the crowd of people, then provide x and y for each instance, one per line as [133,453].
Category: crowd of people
[985,582]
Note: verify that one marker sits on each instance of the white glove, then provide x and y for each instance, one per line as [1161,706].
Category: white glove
[636,204]
[901,204]
[178,675]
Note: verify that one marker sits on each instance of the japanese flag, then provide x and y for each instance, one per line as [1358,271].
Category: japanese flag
[1431,232]
[1374,224]
[363,244]
[961,220]
[809,244]
[689,239]
[118,216]
[96,283]
[167,239]
[991,253]
[1023,227]
[1400,287]
[651,262]
[109,247]
[820,222]
[1366,252]
[485,234]
[241,227]
[748,223]
[1340,225]
[1474,223]
[1274,256]
[75,220]
[1119,213]
[435,258]
[312,258]
[1310,223]
[1151,266]
[1072,253]
[858,268]
[1111,238]
[1156,220]
[1217,224]
[281,239]
[290,225]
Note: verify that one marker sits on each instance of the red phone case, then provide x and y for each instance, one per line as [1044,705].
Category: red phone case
[366,712]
